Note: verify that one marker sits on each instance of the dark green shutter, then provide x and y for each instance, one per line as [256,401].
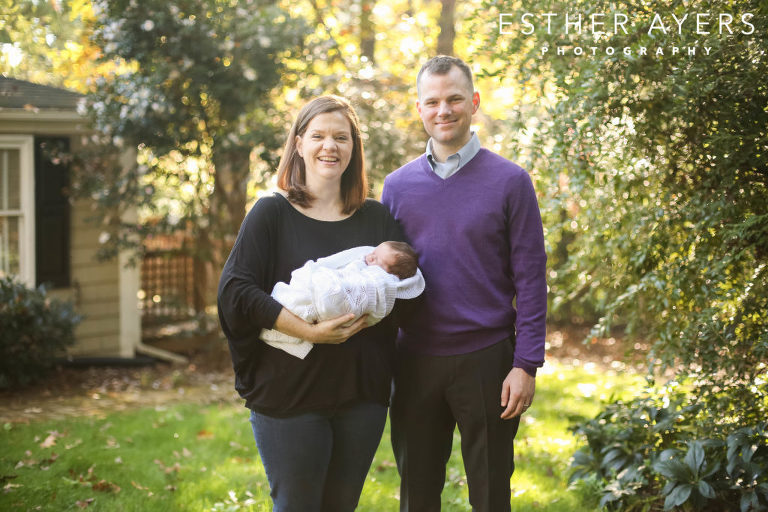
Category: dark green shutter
[52,212]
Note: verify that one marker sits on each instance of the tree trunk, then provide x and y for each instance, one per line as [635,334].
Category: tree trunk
[201,256]
[367,30]
[230,189]
[447,30]
[227,209]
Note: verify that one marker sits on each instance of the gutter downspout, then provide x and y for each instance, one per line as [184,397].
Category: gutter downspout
[159,353]
[130,315]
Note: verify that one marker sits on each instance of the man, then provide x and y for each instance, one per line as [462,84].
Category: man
[466,356]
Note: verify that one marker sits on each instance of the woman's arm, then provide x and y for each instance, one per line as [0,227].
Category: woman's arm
[245,305]
[333,331]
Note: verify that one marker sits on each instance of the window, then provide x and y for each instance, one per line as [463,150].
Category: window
[17,221]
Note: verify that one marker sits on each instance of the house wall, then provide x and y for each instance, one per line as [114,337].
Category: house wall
[95,289]
[104,293]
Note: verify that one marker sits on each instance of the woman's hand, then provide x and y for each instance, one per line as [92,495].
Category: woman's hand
[333,331]
[337,330]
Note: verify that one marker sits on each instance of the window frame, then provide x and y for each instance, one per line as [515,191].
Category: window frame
[26,214]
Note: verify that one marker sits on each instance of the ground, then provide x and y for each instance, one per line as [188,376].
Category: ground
[208,377]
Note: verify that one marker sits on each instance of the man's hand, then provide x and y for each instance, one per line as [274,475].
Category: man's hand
[517,393]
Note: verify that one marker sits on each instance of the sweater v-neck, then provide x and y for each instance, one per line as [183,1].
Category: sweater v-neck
[453,177]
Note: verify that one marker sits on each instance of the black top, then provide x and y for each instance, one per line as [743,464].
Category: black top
[274,240]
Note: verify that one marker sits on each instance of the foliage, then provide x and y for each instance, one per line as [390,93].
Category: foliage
[35,331]
[661,166]
[381,86]
[652,448]
[192,90]
[657,163]
[47,42]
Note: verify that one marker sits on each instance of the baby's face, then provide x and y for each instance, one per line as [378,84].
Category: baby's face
[383,255]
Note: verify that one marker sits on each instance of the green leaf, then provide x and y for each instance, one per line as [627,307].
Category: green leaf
[674,470]
[615,459]
[706,490]
[695,456]
[678,496]
[749,501]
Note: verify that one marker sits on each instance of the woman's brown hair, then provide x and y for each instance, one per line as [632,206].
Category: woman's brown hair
[291,173]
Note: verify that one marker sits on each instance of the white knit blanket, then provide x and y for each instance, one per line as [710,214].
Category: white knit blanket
[336,285]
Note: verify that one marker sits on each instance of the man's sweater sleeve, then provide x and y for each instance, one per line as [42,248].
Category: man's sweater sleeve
[528,260]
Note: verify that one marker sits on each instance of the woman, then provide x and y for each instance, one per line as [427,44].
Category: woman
[317,421]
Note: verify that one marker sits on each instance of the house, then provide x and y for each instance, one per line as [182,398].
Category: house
[45,237]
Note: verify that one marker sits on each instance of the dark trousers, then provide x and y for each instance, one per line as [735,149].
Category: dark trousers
[433,394]
[318,462]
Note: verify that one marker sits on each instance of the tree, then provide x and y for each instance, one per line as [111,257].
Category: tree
[367,31]
[447,30]
[192,90]
[47,42]
[660,159]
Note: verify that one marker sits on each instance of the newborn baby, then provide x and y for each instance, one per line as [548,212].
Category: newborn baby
[362,280]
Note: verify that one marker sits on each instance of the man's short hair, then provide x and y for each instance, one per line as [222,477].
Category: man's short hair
[441,65]
[406,260]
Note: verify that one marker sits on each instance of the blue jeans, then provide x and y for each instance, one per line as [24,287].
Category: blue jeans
[319,461]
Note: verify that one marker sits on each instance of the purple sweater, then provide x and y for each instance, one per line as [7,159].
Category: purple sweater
[480,243]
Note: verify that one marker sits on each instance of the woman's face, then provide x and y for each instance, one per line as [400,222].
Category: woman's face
[326,147]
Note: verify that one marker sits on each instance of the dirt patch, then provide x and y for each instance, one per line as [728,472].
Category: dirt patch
[572,345]
[98,390]
[208,377]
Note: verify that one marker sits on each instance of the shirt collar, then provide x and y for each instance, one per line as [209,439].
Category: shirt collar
[465,154]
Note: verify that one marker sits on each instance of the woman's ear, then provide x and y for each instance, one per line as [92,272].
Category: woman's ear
[298,146]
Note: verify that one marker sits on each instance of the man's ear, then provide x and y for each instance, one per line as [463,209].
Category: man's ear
[475,101]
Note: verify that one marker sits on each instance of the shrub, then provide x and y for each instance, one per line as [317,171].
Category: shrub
[662,450]
[35,330]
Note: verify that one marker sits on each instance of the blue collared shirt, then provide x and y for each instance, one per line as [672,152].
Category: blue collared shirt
[456,161]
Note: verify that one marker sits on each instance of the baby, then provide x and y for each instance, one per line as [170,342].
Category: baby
[363,280]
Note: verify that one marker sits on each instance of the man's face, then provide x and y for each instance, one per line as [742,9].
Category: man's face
[446,104]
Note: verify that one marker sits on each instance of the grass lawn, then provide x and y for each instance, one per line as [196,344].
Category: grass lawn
[191,457]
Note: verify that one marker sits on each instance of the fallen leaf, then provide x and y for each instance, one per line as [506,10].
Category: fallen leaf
[85,503]
[204,434]
[104,486]
[9,487]
[168,469]
[385,464]
[49,441]
[142,488]
[73,445]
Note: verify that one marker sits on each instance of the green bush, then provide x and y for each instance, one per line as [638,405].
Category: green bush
[35,330]
[657,451]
